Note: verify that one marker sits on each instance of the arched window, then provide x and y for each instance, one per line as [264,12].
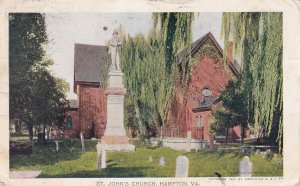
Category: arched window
[69,122]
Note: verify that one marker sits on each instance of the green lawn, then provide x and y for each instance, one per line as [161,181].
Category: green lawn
[134,164]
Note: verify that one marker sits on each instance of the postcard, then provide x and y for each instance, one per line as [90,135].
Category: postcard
[150,93]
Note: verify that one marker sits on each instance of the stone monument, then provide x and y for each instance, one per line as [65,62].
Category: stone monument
[99,157]
[115,138]
[182,166]
[162,161]
[246,167]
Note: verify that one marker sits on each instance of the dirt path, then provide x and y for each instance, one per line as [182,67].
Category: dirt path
[23,174]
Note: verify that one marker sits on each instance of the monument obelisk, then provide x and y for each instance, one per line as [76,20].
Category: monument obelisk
[115,138]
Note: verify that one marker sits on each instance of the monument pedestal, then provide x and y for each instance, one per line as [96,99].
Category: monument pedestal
[115,138]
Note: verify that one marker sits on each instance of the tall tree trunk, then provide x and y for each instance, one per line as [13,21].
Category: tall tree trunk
[18,126]
[48,131]
[30,128]
[243,134]
[44,135]
[260,135]
[139,121]
[41,135]
[226,135]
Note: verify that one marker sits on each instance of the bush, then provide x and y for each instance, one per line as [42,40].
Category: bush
[221,151]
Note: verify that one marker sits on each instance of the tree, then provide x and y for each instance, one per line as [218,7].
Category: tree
[35,96]
[231,112]
[47,100]
[150,69]
[257,37]
[221,122]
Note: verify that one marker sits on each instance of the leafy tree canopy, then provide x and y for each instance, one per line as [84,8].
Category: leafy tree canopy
[36,97]
[257,38]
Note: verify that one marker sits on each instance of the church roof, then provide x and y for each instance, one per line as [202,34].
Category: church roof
[196,44]
[89,62]
[206,103]
[199,42]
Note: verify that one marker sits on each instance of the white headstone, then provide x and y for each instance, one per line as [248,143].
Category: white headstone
[246,167]
[182,166]
[99,151]
[103,158]
[162,161]
[57,145]
[150,159]
[46,134]
[82,141]
[189,139]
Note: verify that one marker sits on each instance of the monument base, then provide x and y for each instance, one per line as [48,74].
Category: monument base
[113,140]
[117,143]
[119,147]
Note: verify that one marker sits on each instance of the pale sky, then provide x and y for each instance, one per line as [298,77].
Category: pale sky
[66,29]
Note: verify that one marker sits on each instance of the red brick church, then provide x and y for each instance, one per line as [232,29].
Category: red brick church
[190,108]
[195,100]
[88,112]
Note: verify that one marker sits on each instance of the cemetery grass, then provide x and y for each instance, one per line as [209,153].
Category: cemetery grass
[65,163]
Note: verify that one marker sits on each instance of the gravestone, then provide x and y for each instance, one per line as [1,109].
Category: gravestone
[162,161]
[189,139]
[103,158]
[150,159]
[99,151]
[57,145]
[82,142]
[182,166]
[46,135]
[246,167]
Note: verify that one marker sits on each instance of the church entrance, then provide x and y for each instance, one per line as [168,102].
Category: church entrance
[92,131]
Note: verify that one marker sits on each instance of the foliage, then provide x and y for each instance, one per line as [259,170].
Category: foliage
[220,121]
[257,37]
[150,69]
[134,164]
[187,61]
[221,151]
[35,97]
[232,110]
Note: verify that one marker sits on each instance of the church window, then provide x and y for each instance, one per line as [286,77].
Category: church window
[200,121]
[206,92]
[69,122]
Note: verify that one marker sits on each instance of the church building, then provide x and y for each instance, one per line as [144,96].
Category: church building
[195,99]
[91,63]
[190,108]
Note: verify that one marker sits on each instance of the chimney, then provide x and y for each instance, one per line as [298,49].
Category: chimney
[229,51]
